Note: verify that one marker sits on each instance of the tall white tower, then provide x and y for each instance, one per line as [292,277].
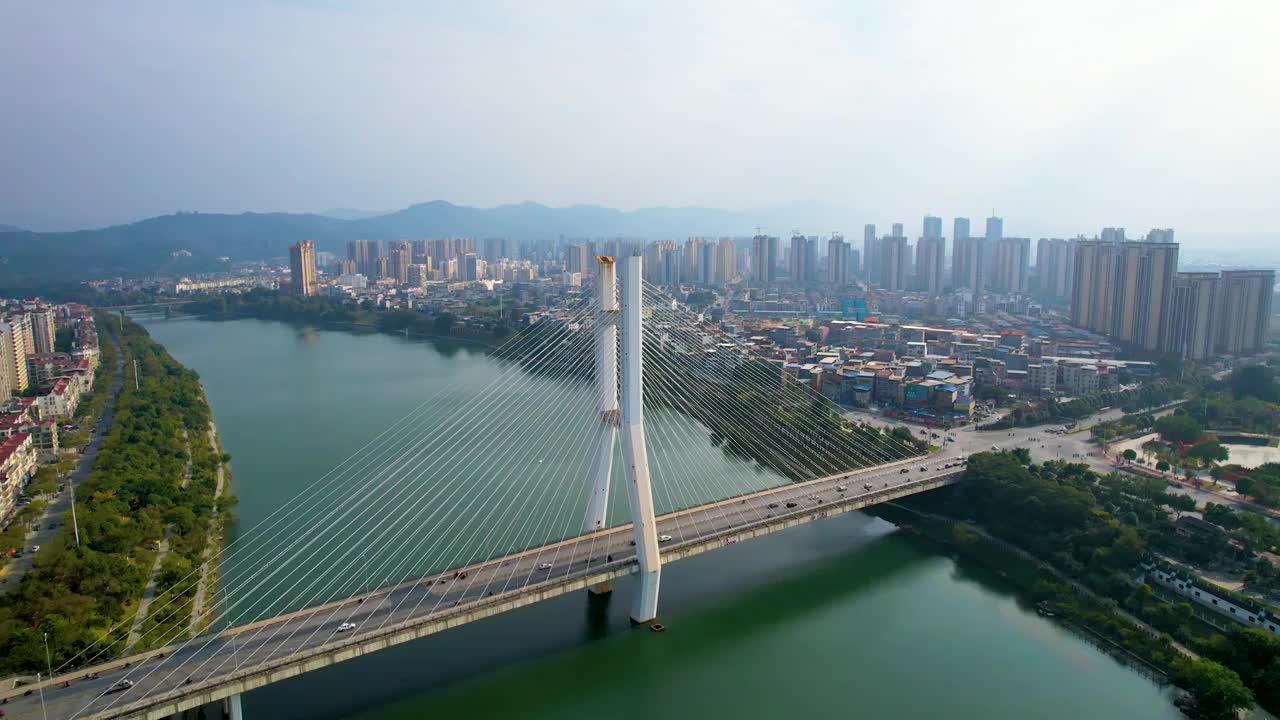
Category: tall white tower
[620,401]
[635,455]
[606,393]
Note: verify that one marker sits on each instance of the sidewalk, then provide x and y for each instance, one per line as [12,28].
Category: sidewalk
[202,586]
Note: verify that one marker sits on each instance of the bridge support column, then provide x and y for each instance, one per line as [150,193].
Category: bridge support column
[234,711]
[635,456]
[606,370]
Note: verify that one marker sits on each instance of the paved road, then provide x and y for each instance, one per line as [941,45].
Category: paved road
[454,592]
[18,567]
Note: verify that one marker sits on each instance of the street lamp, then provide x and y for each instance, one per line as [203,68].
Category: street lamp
[47,660]
[75,524]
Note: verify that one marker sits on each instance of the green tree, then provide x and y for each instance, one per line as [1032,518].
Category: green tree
[1162,466]
[1244,486]
[1130,454]
[1181,503]
[1256,381]
[1208,451]
[1178,428]
[1214,692]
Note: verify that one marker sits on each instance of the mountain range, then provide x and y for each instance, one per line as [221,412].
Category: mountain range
[156,245]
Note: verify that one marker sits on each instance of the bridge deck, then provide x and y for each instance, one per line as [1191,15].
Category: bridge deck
[257,654]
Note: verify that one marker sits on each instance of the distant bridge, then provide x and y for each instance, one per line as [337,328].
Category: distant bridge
[147,306]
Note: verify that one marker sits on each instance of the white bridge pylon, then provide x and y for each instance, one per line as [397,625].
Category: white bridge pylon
[620,402]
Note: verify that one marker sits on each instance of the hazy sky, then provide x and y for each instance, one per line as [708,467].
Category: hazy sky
[1063,116]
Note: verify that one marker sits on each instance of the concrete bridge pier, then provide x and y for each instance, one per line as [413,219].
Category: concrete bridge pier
[635,453]
[234,711]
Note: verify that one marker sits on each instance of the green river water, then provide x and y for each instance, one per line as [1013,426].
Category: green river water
[840,618]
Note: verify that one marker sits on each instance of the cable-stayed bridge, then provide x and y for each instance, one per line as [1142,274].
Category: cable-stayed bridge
[476,503]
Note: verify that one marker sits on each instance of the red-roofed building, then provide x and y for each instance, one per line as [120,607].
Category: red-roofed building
[17,463]
[61,400]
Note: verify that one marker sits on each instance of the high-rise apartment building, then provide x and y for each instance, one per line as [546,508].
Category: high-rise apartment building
[970,264]
[1164,235]
[932,227]
[930,252]
[43,327]
[1194,309]
[494,249]
[764,257]
[365,253]
[1093,296]
[578,258]
[838,266]
[726,261]
[855,263]
[419,273]
[1055,268]
[1011,265]
[871,253]
[653,263]
[898,230]
[471,267]
[690,266]
[7,362]
[893,263]
[23,337]
[1246,310]
[991,240]
[302,269]
[13,355]
[798,260]
[1113,234]
[401,259]
[995,229]
[707,263]
[672,261]
[1123,289]
[960,253]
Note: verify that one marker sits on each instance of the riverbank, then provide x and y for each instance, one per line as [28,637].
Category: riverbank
[1072,542]
[217,534]
[83,599]
[1077,609]
[334,314]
